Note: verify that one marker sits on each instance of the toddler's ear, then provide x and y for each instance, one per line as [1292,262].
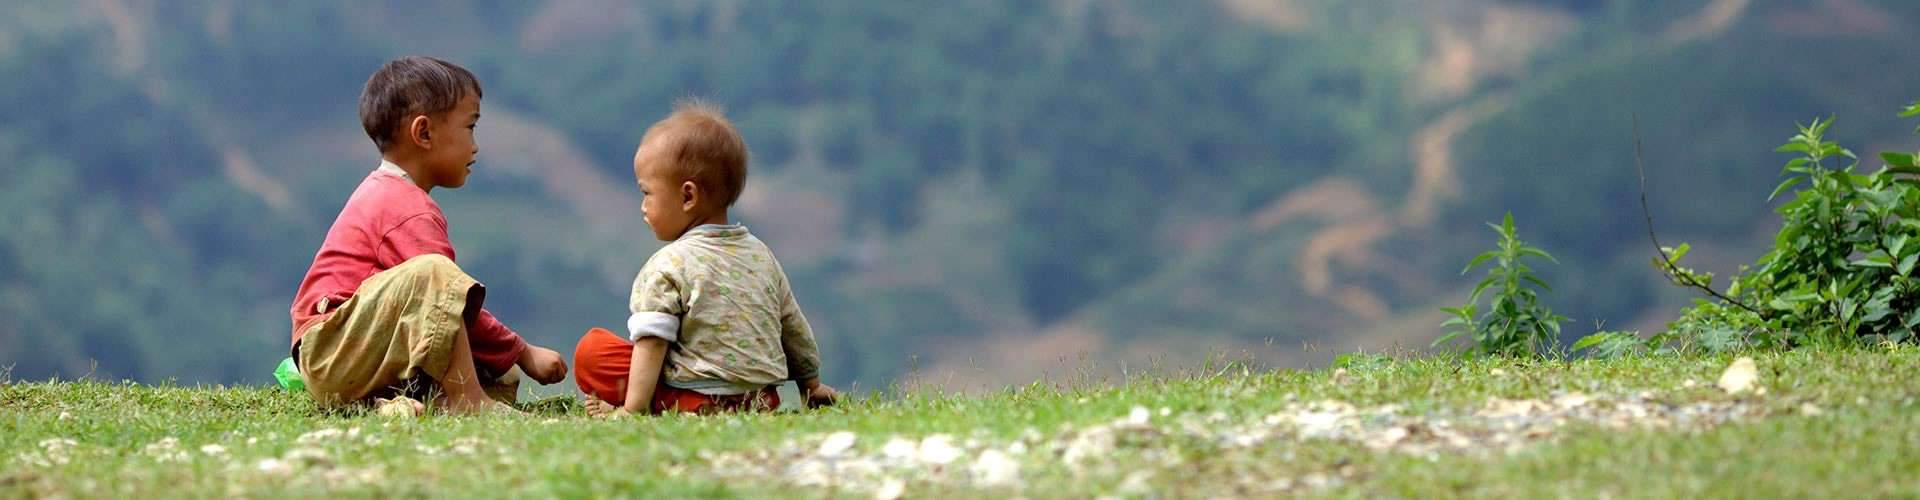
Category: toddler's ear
[689,195]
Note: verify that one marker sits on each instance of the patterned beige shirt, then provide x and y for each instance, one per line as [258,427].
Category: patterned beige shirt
[723,303]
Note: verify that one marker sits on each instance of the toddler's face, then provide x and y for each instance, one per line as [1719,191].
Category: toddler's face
[663,202]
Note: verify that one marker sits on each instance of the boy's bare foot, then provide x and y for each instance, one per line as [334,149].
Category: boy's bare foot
[482,407]
[505,389]
[399,406]
[472,406]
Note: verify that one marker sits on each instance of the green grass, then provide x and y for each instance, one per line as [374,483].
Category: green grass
[1861,442]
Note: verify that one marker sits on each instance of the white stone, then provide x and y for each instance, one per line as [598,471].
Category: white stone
[274,466]
[996,469]
[1740,376]
[900,449]
[890,490]
[836,444]
[319,436]
[938,449]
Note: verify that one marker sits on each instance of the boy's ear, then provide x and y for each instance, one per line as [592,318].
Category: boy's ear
[689,194]
[417,131]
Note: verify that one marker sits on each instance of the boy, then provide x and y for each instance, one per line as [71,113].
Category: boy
[712,311]
[384,310]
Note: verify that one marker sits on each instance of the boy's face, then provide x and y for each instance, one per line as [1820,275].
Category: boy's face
[451,158]
[664,203]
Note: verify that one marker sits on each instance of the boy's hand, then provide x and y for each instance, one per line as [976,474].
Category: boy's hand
[818,394]
[543,364]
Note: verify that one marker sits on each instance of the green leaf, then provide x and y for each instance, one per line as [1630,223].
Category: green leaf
[1877,259]
[1538,283]
[1538,253]
[1791,147]
[1477,260]
[1906,264]
[1911,111]
[1590,341]
[1784,185]
[1679,252]
[1474,298]
[1900,161]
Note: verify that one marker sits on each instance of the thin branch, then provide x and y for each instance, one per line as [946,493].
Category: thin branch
[1666,261]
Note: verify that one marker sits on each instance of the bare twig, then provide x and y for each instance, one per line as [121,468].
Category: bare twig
[1666,261]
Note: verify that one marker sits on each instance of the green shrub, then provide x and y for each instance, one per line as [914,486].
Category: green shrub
[1516,323]
[1842,266]
[1608,345]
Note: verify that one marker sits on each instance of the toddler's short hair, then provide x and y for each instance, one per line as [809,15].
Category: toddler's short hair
[408,86]
[704,147]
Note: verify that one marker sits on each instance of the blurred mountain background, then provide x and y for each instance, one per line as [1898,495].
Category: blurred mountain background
[966,194]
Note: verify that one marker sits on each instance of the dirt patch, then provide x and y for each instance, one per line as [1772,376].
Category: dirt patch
[1435,178]
[1492,40]
[1710,21]
[560,25]
[804,225]
[1283,16]
[1832,17]
[245,173]
[125,21]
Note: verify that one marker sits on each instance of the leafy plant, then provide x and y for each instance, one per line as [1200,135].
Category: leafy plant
[1362,361]
[1614,344]
[1515,322]
[1842,266]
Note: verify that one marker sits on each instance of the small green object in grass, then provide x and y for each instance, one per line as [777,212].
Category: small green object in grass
[289,376]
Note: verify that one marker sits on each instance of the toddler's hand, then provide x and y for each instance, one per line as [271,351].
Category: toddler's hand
[543,365]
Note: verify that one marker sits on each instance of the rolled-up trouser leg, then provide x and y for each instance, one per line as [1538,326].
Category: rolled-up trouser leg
[398,328]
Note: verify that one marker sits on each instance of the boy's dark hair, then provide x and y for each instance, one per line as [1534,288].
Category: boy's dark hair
[408,86]
[705,148]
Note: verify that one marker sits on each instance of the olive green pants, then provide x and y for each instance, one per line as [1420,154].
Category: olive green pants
[394,336]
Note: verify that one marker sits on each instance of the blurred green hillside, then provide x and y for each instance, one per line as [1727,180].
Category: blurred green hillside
[965,193]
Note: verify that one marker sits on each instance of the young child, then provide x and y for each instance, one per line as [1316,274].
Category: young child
[713,314]
[384,310]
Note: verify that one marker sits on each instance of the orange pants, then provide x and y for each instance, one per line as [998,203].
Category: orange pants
[602,360]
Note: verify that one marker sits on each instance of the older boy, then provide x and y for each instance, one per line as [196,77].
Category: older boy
[712,311]
[384,310]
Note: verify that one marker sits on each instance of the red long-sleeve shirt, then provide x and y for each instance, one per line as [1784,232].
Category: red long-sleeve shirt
[388,220]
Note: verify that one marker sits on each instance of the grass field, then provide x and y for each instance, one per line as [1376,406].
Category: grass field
[1821,423]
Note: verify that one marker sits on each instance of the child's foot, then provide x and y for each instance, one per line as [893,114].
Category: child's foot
[474,406]
[399,406]
[505,389]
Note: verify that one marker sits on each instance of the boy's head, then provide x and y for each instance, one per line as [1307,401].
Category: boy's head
[420,112]
[691,166]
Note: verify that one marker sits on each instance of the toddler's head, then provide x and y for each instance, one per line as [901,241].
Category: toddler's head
[691,166]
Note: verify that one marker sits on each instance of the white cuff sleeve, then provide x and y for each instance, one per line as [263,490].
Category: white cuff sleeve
[653,324]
